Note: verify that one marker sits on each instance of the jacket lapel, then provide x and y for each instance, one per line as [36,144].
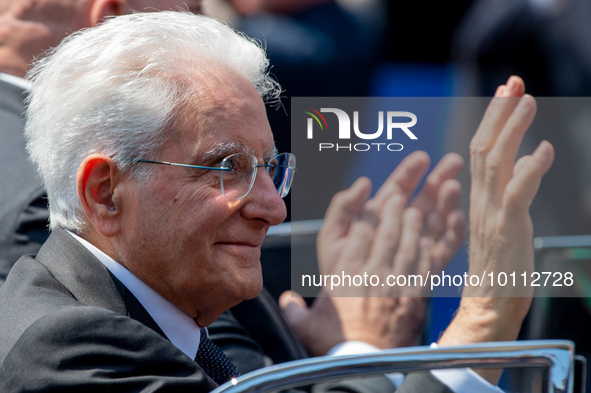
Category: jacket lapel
[87,279]
[135,310]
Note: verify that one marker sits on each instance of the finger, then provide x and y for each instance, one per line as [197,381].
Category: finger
[426,245]
[499,110]
[503,92]
[448,200]
[448,245]
[495,117]
[416,288]
[523,187]
[295,310]
[519,165]
[387,235]
[404,180]
[343,209]
[515,87]
[359,243]
[501,160]
[449,167]
[408,250]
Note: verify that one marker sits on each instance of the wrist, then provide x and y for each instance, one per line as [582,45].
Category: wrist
[486,319]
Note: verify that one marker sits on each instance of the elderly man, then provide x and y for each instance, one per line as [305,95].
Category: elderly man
[148,133]
[32,27]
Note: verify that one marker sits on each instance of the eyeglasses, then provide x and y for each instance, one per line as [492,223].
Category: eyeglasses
[239,171]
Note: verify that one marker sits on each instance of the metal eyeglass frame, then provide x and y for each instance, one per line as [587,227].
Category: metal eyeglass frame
[213,168]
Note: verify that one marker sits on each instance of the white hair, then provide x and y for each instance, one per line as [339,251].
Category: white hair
[113,89]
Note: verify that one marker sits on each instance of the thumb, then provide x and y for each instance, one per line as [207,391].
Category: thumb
[295,310]
[343,209]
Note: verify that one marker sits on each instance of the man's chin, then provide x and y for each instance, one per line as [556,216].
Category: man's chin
[256,292]
[253,288]
[247,291]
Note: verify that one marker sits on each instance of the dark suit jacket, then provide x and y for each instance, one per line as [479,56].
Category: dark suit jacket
[67,324]
[23,209]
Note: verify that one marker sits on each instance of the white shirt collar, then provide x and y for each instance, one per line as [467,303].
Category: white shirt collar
[182,331]
[15,80]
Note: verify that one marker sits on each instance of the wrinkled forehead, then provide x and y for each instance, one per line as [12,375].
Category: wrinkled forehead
[224,113]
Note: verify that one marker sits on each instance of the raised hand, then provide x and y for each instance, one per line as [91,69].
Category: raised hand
[384,316]
[501,233]
[382,236]
[437,201]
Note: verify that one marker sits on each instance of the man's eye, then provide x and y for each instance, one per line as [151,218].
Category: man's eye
[230,163]
[216,163]
[272,169]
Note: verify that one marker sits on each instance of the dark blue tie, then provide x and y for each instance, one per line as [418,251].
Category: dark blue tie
[213,361]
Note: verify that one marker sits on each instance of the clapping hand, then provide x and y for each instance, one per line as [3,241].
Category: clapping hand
[384,235]
[501,232]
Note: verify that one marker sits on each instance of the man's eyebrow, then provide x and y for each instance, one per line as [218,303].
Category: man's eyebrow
[274,152]
[224,149]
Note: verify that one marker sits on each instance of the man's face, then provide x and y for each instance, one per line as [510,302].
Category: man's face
[180,234]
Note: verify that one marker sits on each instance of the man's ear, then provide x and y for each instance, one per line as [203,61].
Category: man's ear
[100,9]
[96,180]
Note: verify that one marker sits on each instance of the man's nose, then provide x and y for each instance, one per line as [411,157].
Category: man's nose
[263,201]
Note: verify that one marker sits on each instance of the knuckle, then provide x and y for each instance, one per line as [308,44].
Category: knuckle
[478,148]
[492,164]
[513,202]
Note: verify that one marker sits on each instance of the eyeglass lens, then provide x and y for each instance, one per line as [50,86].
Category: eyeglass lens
[238,182]
[281,169]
